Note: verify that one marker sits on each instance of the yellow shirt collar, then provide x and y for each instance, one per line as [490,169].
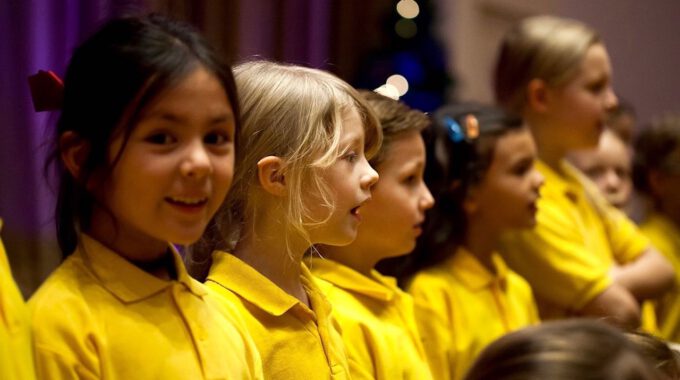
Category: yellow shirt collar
[235,275]
[472,274]
[569,183]
[377,286]
[125,280]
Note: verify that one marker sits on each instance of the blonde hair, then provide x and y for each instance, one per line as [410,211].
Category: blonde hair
[295,113]
[541,47]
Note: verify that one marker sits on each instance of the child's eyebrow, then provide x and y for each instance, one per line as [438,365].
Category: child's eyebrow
[222,117]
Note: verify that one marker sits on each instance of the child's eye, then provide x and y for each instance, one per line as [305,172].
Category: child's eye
[217,138]
[411,179]
[351,157]
[595,171]
[160,139]
[522,168]
[597,87]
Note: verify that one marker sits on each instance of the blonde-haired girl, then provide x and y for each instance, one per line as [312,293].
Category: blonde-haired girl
[583,257]
[302,175]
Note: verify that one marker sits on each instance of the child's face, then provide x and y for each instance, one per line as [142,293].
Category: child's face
[506,197]
[394,216]
[176,167]
[579,109]
[609,167]
[350,179]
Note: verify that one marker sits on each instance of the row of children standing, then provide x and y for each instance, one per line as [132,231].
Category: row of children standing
[152,132]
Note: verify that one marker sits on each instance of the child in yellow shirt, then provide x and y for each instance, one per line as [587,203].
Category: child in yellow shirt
[302,179]
[657,176]
[583,257]
[16,355]
[145,152]
[485,183]
[377,318]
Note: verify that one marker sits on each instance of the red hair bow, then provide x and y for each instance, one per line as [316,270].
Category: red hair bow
[47,91]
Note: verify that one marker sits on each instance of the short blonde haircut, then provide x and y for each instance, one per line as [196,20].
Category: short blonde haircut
[396,120]
[295,113]
[541,47]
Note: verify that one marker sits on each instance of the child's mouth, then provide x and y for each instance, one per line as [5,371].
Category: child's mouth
[187,202]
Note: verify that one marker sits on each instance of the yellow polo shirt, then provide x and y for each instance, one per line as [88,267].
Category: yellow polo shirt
[294,341]
[378,323]
[477,306]
[99,316]
[665,237]
[16,355]
[567,256]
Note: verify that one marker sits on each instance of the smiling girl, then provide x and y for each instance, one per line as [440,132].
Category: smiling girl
[145,152]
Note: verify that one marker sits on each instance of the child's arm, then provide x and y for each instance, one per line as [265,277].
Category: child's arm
[616,304]
[648,276]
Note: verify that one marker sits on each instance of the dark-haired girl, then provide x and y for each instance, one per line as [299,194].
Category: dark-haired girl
[485,184]
[145,153]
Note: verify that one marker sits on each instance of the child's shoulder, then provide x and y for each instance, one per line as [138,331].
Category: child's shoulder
[64,288]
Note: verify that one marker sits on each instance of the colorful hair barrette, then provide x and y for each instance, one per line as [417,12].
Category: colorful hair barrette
[454,130]
[471,127]
[458,133]
[47,91]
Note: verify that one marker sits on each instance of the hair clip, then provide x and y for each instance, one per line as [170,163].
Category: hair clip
[471,126]
[453,128]
[47,91]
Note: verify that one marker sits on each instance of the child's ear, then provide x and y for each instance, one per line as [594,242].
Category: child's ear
[271,175]
[538,95]
[74,152]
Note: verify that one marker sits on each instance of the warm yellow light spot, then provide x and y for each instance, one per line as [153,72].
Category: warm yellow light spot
[399,82]
[408,9]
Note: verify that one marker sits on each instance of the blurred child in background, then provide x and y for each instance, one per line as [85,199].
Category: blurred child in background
[656,174]
[609,167]
[485,184]
[565,350]
[584,257]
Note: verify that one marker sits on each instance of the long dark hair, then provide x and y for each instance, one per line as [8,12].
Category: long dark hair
[111,77]
[457,160]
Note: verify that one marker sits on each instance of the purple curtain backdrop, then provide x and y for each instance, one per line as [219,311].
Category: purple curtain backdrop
[36,34]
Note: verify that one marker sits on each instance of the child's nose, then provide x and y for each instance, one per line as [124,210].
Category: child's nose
[611,100]
[539,179]
[196,162]
[612,179]
[427,200]
[369,176]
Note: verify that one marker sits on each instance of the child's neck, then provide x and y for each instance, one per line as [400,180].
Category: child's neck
[482,242]
[549,151]
[352,256]
[267,254]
